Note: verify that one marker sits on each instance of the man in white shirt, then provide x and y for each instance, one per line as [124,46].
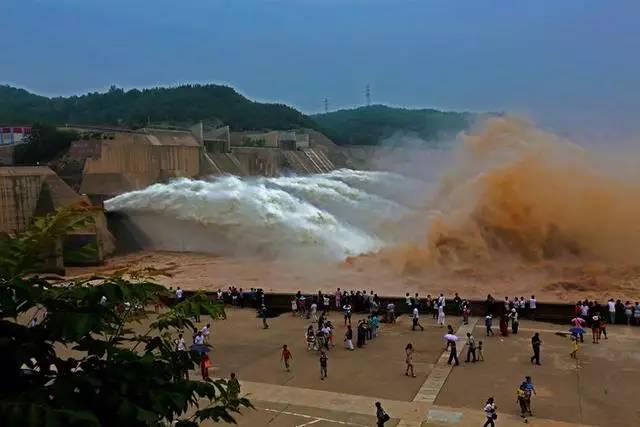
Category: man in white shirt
[199,339]
[179,294]
[612,311]
[532,307]
[416,320]
[206,330]
[314,309]
[441,300]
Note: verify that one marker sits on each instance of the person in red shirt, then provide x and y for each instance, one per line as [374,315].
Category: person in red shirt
[205,364]
[286,357]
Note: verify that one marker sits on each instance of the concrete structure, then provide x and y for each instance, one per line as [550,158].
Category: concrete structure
[285,140]
[30,191]
[7,154]
[132,160]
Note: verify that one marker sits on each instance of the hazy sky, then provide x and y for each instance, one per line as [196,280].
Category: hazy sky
[573,61]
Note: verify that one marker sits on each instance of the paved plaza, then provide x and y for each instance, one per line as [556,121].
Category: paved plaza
[597,389]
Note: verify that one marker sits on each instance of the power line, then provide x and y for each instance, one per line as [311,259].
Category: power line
[326,105]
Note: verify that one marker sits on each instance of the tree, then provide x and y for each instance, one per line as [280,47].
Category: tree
[115,377]
[45,143]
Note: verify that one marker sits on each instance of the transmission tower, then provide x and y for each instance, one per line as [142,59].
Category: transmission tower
[326,105]
[367,94]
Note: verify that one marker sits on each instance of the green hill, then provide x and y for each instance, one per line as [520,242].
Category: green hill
[371,125]
[135,107]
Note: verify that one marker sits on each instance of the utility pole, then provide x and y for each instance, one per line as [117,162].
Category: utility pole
[326,105]
[367,94]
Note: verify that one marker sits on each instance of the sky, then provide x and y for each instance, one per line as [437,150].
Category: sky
[567,64]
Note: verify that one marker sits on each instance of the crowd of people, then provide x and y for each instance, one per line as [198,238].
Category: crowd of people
[320,332]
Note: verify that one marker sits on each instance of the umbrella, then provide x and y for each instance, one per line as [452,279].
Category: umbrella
[576,330]
[578,321]
[200,348]
[450,337]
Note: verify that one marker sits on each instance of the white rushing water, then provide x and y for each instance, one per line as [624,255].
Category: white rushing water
[332,215]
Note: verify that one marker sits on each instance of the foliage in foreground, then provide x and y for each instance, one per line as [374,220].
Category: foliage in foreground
[115,377]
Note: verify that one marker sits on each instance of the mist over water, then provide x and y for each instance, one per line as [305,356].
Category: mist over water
[330,216]
[506,191]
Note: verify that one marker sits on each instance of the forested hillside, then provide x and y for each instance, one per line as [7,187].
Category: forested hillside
[135,107]
[371,125]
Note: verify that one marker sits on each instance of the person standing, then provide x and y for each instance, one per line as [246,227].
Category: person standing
[180,344]
[408,350]
[381,416]
[490,413]
[286,357]
[471,348]
[338,299]
[595,329]
[233,386]
[612,311]
[348,338]
[205,364]
[533,303]
[479,352]
[441,315]
[323,364]
[416,320]
[391,313]
[347,314]
[179,295]
[536,342]
[514,320]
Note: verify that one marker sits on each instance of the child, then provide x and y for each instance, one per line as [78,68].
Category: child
[286,356]
[294,306]
[205,364]
[479,352]
[311,338]
[409,360]
[323,365]
[574,347]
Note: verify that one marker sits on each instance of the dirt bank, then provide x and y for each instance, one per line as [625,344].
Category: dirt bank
[548,281]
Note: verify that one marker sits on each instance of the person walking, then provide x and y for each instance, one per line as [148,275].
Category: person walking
[416,320]
[323,364]
[348,338]
[522,401]
[408,350]
[205,364]
[453,353]
[206,330]
[574,346]
[479,352]
[471,348]
[286,357]
[263,314]
[381,416]
[488,323]
[490,413]
[536,342]
[530,389]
